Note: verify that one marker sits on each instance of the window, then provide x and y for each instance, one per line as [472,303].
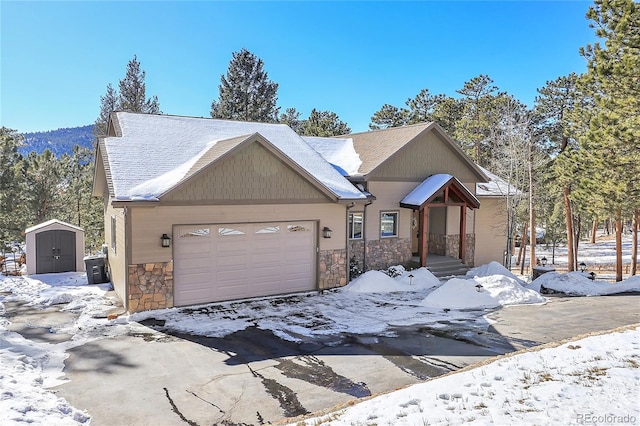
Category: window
[268,230]
[227,232]
[113,233]
[297,228]
[356,221]
[202,232]
[389,224]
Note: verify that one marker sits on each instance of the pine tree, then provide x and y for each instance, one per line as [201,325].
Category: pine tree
[130,97]
[611,143]
[42,182]
[77,205]
[108,103]
[246,93]
[12,219]
[291,117]
[323,123]
[133,91]
[553,114]
[389,116]
[478,117]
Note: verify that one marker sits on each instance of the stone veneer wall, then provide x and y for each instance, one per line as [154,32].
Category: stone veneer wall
[150,286]
[387,252]
[333,266]
[356,252]
[449,245]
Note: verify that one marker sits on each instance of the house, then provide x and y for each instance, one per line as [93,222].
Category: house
[201,210]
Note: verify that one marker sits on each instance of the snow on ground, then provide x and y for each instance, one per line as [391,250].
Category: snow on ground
[595,256]
[579,284]
[374,303]
[29,368]
[595,380]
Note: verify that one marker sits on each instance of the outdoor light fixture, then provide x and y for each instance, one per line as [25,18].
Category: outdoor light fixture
[410,279]
[592,276]
[166,240]
[543,261]
[326,232]
[583,266]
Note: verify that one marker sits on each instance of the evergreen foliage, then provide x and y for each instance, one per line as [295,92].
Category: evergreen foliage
[610,145]
[246,93]
[130,97]
[291,117]
[12,218]
[324,124]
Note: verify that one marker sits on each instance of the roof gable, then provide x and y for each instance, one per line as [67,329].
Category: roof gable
[411,153]
[154,153]
[247,169]
[442,189]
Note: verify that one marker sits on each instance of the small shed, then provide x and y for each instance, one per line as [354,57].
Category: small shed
[54,246]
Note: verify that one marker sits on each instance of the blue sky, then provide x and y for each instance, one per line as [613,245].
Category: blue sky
[347,57]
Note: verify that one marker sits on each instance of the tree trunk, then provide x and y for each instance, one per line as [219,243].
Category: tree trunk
[523,242]
[569,222]
[619,246]
[532,214]
[594,229]
[634,243]
[577,228]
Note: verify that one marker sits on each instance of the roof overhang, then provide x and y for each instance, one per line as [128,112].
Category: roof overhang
[453,192]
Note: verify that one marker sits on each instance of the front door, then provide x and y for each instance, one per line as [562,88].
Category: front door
[55,251]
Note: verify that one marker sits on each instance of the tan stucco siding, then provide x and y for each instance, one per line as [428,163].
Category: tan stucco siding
[491,230]
[148,224]
[388,196]
[251,174]
[117,257]
[427,155]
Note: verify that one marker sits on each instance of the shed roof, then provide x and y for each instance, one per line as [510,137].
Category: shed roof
[52,222]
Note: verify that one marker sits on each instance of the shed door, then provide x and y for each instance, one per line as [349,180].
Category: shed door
[55,251]
[217,262]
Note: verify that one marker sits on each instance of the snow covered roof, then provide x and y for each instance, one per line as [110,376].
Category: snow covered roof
[433,185]
[157,152]
[496,187]
[52,222]
[337,151]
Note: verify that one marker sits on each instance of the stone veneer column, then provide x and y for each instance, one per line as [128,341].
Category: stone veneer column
[332,267]
[150,286]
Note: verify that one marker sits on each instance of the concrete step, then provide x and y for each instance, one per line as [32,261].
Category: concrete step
[447,267]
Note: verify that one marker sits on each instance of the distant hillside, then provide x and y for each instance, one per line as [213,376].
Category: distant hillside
[59,141]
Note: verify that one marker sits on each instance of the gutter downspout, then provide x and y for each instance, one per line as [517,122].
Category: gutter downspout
[347,245]
[364,237]
[127,256]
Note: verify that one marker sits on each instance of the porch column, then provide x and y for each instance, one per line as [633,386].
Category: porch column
[463,233]
[423,243]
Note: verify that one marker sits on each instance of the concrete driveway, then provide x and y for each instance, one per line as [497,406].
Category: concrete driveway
[157,376]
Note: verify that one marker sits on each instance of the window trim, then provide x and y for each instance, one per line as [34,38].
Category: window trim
[396,227]
[350,226]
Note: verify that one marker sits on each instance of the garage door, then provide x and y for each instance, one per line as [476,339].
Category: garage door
[216,262]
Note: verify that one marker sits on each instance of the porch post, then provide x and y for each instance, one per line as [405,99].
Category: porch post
[463,233]
[424,235]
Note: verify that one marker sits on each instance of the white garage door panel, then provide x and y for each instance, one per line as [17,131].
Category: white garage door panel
[233,261]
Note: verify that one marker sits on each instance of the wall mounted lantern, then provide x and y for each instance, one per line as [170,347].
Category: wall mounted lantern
[326,232]
[166,240]
[583,266]
[543,261]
